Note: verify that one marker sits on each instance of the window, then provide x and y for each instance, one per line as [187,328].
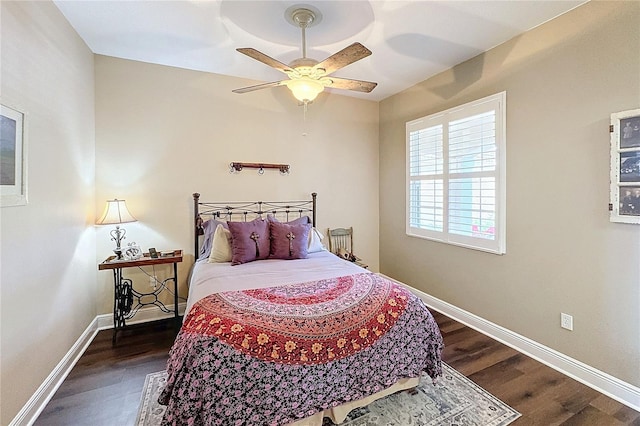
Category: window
[456,175]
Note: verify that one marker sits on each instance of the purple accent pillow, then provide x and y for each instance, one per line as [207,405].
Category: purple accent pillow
[209,229]
[299,221]
[289,241]
[249,241]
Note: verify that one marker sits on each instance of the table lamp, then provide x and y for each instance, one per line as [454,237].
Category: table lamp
[115,213]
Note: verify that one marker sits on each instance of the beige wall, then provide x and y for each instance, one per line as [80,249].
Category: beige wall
[163,133]
[563,80]
[48,274]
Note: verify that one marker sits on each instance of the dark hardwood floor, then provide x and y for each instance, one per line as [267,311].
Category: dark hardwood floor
[104,388]
[541,394]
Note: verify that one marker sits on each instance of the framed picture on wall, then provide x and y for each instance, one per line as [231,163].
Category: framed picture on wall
[13,176]
[624,204]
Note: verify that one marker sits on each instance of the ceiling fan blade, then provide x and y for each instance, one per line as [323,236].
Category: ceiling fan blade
[346,56]
[268,60]
[259,86]
[357,85]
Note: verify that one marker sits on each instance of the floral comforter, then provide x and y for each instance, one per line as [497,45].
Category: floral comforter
[273,356]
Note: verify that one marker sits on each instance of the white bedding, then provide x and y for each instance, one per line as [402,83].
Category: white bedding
[209,278]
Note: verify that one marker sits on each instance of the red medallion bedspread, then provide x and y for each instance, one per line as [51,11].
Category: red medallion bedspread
[272,356]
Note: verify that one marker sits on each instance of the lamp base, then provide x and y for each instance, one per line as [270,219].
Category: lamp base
[118,253]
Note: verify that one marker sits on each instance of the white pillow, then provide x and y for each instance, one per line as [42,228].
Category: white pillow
[315,241]
[220,246]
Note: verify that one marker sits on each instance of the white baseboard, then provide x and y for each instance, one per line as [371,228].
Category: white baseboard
[39,400]
[613,387]
[32,409]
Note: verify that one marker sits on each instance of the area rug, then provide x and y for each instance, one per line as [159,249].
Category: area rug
[453,401]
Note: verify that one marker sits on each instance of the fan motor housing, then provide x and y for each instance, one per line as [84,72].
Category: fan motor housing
[303,63]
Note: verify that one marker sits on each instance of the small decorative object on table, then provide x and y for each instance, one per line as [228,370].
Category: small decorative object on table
[132,252]
[343,253]
[351,258]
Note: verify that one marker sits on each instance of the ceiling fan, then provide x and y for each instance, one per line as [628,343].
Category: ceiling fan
[308,77]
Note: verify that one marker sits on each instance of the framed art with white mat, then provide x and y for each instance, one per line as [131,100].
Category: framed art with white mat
[13,177]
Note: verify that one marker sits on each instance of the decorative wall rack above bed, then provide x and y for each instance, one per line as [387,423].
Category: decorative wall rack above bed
[237,167]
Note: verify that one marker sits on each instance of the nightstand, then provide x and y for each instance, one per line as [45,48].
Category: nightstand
[127,301]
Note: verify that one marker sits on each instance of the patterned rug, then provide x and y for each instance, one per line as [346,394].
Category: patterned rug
[453,401]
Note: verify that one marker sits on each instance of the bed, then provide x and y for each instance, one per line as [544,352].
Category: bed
[290,335]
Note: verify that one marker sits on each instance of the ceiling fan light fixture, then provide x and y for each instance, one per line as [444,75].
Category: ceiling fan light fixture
[307,76]
[305,89]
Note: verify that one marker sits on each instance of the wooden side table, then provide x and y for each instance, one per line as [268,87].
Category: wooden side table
[125,295]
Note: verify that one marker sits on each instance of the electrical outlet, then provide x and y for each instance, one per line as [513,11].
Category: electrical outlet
[566,321]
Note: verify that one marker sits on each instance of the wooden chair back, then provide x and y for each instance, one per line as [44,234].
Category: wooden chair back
[340,238]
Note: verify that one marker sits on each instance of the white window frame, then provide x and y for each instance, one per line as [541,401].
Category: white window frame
[495,103]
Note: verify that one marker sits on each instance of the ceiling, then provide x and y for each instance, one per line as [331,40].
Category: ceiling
[410,40]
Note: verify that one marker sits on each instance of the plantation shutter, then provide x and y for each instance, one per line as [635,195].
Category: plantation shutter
[455,178]
[426,166]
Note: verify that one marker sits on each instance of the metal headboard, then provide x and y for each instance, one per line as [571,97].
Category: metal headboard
[244,211]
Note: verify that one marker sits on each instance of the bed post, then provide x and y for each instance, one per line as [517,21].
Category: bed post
[313,196]
[198,230]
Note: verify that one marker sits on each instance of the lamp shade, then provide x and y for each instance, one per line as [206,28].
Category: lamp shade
[305,89]
[115,212]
